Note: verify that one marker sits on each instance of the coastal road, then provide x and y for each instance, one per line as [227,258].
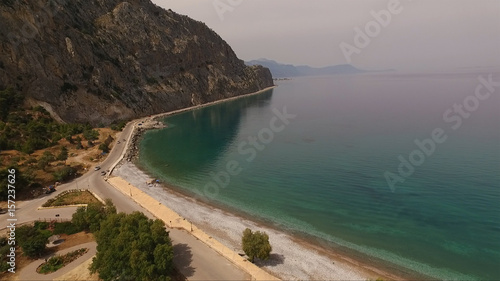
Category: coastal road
[195,259]
[27,211]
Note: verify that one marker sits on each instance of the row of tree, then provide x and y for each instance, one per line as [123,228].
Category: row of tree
[129,246]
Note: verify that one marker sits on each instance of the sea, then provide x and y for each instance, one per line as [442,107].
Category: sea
[401,168]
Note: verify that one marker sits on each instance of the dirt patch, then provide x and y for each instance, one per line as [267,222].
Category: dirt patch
[73,240]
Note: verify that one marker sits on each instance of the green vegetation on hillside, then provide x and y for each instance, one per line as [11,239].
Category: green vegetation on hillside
[23,179]
[105,145]
[28,130]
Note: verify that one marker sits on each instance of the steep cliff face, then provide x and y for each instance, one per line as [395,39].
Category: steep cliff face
[101,60]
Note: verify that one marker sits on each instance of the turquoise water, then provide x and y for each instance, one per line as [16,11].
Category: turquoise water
[321,173]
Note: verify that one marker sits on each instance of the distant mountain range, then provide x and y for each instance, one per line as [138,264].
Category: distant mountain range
[280,70]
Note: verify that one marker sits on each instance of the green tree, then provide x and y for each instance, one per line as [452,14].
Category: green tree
[89,218]
[32,240]
[35,246]
[118,126]
[104,147]
[133,247]
[63,154]
[9,101]
[64,173]
[4,251]
[22,181]
[256,245]
[45,159]
[78,142]
[91,135]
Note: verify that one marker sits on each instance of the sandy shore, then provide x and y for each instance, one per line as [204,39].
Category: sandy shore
[292,259]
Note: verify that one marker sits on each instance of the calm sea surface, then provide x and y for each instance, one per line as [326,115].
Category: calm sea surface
[322,174]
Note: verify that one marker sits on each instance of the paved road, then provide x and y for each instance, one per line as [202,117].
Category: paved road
[195,259]
[92,180]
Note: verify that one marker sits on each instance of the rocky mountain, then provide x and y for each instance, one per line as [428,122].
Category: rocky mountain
[288,70]
[99,61]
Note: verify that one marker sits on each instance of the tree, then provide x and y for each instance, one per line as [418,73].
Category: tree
[23,180]
[64,173]
[4,251]
[44,161]
[9,100]
[35,246]
[32,240]
[78,142]
[104,147]
[256,245]
[91,135]
[63,154]
[89,218]
[131,246]
[118,126]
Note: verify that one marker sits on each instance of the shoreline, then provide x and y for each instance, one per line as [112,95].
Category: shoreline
[174,220]
[295,256]
[154,122]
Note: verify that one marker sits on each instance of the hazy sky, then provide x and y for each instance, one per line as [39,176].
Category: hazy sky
[421,34]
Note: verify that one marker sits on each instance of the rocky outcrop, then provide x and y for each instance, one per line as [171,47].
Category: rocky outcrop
[99,61]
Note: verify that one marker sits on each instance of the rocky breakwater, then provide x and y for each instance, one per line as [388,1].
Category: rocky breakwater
[140,128]
[106,60]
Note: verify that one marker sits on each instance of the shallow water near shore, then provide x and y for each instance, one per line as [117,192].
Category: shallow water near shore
[321,173]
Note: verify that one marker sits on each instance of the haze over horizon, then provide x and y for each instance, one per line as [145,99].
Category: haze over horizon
[423,35]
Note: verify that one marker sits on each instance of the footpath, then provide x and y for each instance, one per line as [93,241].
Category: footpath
[174,220]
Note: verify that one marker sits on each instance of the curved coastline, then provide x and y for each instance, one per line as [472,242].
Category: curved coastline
[328,264]
[310,257]
[154,122]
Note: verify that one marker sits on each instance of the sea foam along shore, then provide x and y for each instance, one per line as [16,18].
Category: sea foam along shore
[291,260]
